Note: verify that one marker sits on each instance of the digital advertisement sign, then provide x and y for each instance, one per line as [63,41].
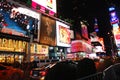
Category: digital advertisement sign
[76,46]
[80,46]
[43,5]
[113,18]
[48,31]
[84,31]
[16,19]
[63,34]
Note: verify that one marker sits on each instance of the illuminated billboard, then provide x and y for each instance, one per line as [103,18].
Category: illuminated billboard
[48,31]
[16,19]
[7,45]
[117,39]
[84,30]
[39,49]
[44,5]
[113,18]
[80,46]
[63,34]
[115,27]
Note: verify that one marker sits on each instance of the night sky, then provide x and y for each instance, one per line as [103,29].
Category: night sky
[89,10]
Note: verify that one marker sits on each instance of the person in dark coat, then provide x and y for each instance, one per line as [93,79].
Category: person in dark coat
[64,70]
[86,67]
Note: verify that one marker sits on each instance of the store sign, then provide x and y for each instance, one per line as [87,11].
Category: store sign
[39,49]
[77,46]
[63,34]
[12,45]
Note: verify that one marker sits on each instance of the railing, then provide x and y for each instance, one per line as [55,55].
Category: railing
[97,76]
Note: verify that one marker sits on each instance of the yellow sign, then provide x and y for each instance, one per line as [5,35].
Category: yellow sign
[12,45]
[39,49]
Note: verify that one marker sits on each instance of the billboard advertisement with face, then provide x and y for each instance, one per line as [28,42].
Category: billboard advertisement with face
[48,31]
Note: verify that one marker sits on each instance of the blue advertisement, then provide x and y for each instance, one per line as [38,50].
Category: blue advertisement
[113,18]
[15,20]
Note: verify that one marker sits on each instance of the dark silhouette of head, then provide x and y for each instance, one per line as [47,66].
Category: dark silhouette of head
[86,67]
[64,70]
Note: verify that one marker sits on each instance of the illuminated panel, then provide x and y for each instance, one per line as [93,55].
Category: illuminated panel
[48,31]
[111,9]
[7,45]
[77,46]
[113,17]
[63,34]
[18,20]
[117,39]
[43,5]
[39,49]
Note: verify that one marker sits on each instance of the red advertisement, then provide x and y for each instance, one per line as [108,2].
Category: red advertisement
[84,31]
[77,46]
[63,34]
[117,39]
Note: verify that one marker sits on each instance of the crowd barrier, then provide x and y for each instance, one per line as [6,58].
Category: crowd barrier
[96,76]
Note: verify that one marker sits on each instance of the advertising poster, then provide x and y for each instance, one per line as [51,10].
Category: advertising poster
[80,46]
[18,20]
[48,31]
[63,34]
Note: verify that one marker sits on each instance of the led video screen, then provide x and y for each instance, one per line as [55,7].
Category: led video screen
[18,20]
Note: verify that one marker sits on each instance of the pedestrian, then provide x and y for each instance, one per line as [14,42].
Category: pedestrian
[86,67]
[64,70]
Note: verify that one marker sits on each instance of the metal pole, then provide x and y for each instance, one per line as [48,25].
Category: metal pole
[29,50]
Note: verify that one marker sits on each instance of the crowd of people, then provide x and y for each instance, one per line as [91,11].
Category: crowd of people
[69,70]
[73,70]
